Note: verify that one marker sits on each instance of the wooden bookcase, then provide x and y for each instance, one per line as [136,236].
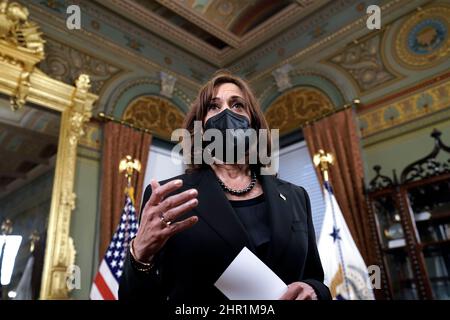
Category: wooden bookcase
[410,220]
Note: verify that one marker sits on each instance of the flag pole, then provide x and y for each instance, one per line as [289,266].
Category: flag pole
[324,161]
[106,281]
[129,166]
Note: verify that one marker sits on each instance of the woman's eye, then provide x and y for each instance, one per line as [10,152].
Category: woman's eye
[213,106]
[238,105]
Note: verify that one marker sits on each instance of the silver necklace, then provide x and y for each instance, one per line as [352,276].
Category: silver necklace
[239,192]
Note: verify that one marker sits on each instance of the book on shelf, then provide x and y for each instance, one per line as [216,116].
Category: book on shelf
[447,230]
[396,243]
[422,216]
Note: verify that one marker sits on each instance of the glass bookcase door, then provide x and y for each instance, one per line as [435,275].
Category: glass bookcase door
[392,239]
[430,205]
[388,222]
[437,264]
[403,285]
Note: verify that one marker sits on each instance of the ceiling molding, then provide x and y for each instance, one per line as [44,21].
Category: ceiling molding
[151,21]
[353,27]
[197,19]
[49,21]
[237,46]
[272,27]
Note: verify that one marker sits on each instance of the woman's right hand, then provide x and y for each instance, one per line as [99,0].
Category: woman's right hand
[153,232]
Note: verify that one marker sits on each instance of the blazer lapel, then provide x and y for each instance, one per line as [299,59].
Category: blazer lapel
[215,209]
[281,216]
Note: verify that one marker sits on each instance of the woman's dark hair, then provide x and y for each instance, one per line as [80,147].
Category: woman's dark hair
[199,109]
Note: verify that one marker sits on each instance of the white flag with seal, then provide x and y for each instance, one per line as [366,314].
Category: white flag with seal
[345,271]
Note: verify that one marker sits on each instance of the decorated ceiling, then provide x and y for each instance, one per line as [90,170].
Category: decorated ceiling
[217,31]
[160,52]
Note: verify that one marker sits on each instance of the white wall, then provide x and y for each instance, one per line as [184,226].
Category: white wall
[296,167]
[160,165]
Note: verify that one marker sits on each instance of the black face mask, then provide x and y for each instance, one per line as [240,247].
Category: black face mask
[228,119]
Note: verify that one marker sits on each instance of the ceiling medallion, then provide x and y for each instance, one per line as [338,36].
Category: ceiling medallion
[225,8]
[423,40]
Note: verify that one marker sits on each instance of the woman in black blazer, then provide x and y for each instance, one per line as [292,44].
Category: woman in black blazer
[193,226]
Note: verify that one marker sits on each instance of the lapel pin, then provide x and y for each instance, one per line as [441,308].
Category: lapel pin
[282,197]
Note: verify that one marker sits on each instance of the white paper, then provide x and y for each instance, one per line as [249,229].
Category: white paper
[248,278]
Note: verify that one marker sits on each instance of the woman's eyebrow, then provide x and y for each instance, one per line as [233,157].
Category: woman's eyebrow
[232,98]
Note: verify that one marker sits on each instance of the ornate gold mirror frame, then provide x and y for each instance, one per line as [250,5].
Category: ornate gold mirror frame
[21,48]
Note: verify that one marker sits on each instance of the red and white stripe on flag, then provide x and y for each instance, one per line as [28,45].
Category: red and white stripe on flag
[105,286]
[106,281]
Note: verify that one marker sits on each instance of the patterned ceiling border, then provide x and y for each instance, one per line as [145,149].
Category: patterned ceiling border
[135,32]
[197,19]
[405,108]
[185,72]
[355,25]
[237,46]
[253,73]
[433,120]
[148,19]
[283,20]
[300,36]
[420,86]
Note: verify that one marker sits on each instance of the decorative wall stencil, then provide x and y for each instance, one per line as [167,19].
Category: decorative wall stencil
[423,40]
[297,106]
[155,114]
[134,43]
[65,63]
[419,104]
[364,64]
[56,5]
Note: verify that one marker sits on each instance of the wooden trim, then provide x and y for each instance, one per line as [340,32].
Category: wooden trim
[386,291]
[412,244]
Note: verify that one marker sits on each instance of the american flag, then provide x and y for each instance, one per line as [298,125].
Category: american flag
[106,282]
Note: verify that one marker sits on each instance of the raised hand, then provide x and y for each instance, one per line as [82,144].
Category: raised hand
[157,225]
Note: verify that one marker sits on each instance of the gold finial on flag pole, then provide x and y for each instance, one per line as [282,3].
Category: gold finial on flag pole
[7,226]
[129,165]
[34,237]
[323,160]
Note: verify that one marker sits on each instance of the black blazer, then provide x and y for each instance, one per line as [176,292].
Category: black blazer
[191,261]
